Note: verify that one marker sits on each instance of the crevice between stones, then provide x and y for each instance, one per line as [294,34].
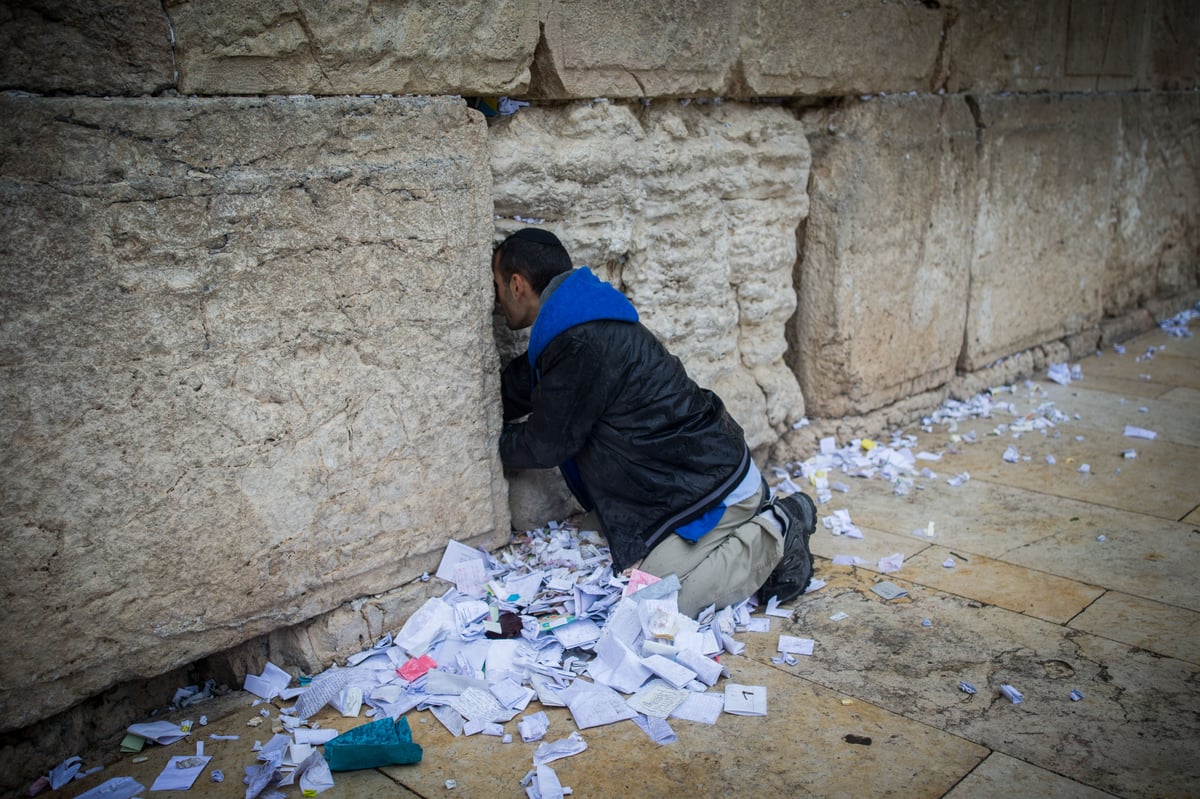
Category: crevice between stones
[171,41]
[544,80]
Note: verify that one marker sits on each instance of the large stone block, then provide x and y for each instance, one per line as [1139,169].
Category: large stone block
[247,372]
[1105,45]
[883,280]
[692,212]
[354,46]
[1002,45]
[110,47]
[1155,248]
[1174,58]
[631,48]
[1042,229]
[845,48]
[1070,45]
[706,47]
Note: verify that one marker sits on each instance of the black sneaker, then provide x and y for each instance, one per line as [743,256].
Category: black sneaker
[798,517]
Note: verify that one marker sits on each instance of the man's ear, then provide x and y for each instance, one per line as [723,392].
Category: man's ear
[519,286]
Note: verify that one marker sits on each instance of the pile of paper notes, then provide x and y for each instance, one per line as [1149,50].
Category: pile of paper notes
[543,618]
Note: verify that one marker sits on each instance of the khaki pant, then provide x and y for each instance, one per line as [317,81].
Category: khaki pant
[728,564]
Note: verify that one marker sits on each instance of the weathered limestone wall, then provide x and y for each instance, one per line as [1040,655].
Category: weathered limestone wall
[353,46]
[118,48]
[247,371]
[1155,236]
[692,212]
[942,235]
[1034,273]
[883,282]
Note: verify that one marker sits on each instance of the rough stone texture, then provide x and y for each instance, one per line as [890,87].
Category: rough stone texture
[1156,243]
[538,496]
[1070,45]
[589,49]
[883,278]
[706,47]
[847,48]
[630,48]
[692,212]
[248,372]
[1042,229]
[306,648]
[1105,45]
[1174,60]
[994,45]
[110,47]
[354,46]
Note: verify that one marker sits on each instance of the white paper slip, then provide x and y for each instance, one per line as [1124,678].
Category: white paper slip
[470,577]
[888,590]
[578,633]
[512,695]
[891,563]
[708,671]
[475,703]
[593,705]
[314,737]
[760,625]
[180,773]
[657,728]
[773,609]
[161,732]
[657,699]
[1139,432]
[705,708]
[790,644]
[456,553]
[674,673]
[268,684]
[745,700]
[533,727]
[549,751]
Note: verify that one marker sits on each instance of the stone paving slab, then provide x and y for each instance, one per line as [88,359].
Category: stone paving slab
[1003,777]
[1140,555]
[996,582]
[1165,629]
[874,544]
[1166,368]
[1130,387]
[977,517]
[798,749]
[1134,733]
[1152,483]
[1176,420]
[1188,347]
[1184,394]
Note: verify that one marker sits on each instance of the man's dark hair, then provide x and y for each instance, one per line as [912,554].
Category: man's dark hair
[535,254]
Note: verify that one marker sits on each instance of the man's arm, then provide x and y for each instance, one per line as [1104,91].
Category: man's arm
[565,405]
[515,392]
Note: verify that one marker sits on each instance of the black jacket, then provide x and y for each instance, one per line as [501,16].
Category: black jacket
[635,437]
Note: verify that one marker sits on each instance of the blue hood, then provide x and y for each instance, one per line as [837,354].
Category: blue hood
[581,297]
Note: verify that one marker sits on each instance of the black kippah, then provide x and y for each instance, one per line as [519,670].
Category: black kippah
[538,236]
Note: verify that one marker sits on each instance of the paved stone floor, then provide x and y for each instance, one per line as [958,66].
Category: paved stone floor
[1063,581]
